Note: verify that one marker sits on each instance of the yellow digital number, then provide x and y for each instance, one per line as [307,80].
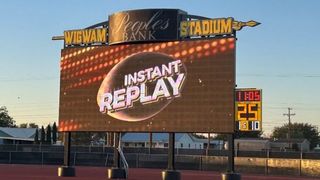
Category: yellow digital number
[241,111]
[248,111]
[251,111]
[243,125]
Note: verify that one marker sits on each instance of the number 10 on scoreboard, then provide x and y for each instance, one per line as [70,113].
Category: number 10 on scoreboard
[248,110]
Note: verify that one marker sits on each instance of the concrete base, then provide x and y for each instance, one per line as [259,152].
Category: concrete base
[117,173]
[231,176]
[170,175]
[66,171]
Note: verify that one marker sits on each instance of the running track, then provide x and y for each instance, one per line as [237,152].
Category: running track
[38,172]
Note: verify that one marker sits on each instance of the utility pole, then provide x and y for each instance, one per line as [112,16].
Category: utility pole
[289,114]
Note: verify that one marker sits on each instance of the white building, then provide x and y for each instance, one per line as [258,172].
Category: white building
[17,135]
[302,145]
[247,144]
[160,140]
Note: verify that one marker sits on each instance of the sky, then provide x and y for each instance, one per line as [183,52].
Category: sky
[280,56]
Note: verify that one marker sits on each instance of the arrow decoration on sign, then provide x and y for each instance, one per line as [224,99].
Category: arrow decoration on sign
[238,25]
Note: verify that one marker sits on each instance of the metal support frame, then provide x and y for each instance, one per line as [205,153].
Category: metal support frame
[230,174]
[116,172]
[209,141]
[171,151]
[171,173]
[66,170]
[150,142]
[67,148]
[231,153]
[116,156]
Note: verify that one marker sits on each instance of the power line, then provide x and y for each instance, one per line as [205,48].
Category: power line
[279,75]
[28,79]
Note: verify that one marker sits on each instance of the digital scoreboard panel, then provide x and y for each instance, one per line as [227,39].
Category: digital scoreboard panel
[248,106]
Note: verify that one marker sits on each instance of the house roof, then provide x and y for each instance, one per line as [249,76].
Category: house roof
[290,141]
[26,134]
[163,137]
[144,137]
[254,140]
[212,141]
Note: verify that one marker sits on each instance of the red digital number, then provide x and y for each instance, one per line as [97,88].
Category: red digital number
[257,95]
[239,96]
[248,95]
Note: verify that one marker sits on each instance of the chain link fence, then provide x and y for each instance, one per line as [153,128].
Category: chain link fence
[257,162]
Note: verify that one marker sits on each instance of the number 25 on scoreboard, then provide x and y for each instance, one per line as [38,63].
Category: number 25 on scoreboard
[248,111]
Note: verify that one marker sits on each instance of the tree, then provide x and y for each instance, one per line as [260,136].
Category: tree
[200,135]
[33,125]
[54,133]
[298,131]
[5,119]
[23,125]
[30,125]
[36,137]
[43,134]
[241,134]
[248,134]
[48,139]
[81,138]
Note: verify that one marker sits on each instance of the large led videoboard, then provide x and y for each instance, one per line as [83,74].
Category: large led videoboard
[177,86]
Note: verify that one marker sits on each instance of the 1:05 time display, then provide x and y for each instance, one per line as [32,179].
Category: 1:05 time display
[248,95]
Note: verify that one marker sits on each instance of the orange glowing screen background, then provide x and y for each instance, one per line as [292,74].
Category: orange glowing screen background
[207,98]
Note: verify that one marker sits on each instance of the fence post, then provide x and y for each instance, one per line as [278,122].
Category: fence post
[200,163]
[137,160]
[74,158]
[177,149]
[203,161]
[301,156]
[42,158]
[10,157]
[267,162]
[106,162]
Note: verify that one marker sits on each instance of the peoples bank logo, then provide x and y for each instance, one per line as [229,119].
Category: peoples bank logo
[141,86]
[132,29]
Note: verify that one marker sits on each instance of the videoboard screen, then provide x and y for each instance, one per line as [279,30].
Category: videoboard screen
[178,86]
